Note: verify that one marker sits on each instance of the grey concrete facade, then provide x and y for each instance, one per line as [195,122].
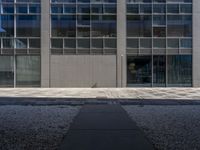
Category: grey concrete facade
[121,43]
[83,71]
[45,43]
[86,70]
[196,43]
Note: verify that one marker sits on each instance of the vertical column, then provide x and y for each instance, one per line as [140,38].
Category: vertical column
[196,43]
[121,43]
[45,43]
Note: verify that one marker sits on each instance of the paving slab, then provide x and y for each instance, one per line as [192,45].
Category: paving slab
[104,93]
[104,127]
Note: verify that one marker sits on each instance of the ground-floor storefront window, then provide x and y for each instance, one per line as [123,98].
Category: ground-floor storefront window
[20,71]
[159,71]
[6,71]
[139,70]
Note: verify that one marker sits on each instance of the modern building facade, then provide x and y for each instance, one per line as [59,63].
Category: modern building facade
[99,43]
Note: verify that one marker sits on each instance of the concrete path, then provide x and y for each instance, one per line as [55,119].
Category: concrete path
[110,93]
[104,127]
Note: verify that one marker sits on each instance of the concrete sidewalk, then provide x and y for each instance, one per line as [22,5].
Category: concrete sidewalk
[103,93]
[104,127]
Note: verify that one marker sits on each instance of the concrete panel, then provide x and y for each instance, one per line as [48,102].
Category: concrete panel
[196,43]
[83,71]
[121,43]
[45,42]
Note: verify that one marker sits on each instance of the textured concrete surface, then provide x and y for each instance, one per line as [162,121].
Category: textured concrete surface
[118,93]
[104,127]
[34,127]
[169,127]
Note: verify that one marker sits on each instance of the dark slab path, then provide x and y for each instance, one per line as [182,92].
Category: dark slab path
[104,127]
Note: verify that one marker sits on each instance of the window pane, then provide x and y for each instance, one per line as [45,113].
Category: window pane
[63,26]
[7,25]
[139,70]
[180,70]
[159,70]
[28,26]
[28,71]
[139,26]
[6,71]
[21,43]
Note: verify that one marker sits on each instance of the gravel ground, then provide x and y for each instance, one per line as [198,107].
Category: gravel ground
[34,127]
[169,127]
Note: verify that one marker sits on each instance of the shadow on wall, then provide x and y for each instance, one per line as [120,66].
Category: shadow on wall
[95,85]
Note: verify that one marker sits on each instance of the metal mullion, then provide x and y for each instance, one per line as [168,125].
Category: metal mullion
[15,35]
[28,47]
[152,21]
[63,45]
[28,8]
[139,40]
[76,28]
[166,53]
[1,46]
[90,28]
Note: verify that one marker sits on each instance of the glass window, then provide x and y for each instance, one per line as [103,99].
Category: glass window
[104,26]
[70,43]
[159,20]
[8,43]
[6,71]
[83,32]
[21,43]
[145,43]
[110,43]
[139,26]
[159,43]
[63,26]
[159,32]
[132,43]
[34,43]
[22,8]
[8,8]
[139,70]
[173,43]
[28,71]
[56,43]
[83,43]
[34,8]
[28,25]
[179,70]
[179,25]
[133,8]
[159,71]
[7,25]
[159,8]
[97,43]
[186,43]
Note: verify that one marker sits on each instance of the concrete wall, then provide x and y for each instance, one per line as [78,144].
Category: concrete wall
[196,43]
[83,71]
[45,42]
[121,43]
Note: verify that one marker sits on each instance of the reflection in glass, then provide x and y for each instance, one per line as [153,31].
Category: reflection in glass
[159,70]
[139,26]
[139,70]
[6,71]
[6,25]
[28,71]
[63,26]
[28,26]
[179,70]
